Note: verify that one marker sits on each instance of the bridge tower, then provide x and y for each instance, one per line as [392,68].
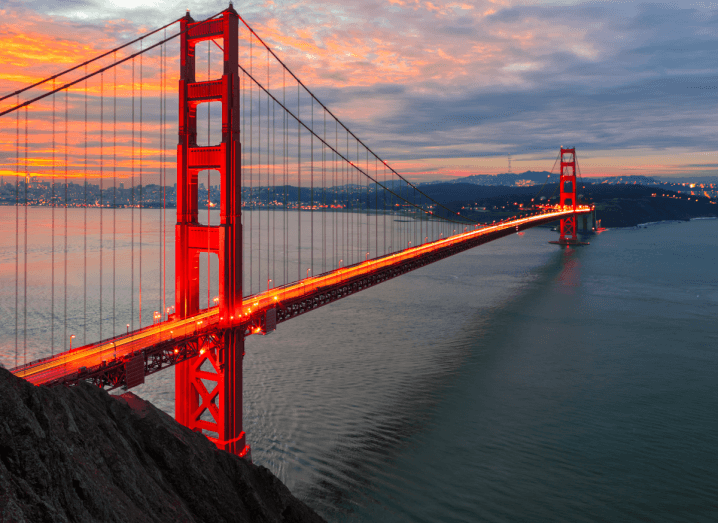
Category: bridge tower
[567,184]
[208,387]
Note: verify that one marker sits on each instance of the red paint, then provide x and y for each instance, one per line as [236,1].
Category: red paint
[218,409]
[568,197]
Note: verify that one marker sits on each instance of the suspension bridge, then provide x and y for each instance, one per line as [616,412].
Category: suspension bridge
[303,214]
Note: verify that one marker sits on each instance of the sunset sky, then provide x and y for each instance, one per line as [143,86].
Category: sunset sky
[445,89]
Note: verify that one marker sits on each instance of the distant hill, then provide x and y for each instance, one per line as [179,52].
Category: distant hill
[538,178]
[505,179]
[617,205]
[467,192]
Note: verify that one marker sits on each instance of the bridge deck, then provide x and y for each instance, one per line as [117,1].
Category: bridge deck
[169,342]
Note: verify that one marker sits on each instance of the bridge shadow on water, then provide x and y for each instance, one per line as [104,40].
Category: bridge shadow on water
[363,476]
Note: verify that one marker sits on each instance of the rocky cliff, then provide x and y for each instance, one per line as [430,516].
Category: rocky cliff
[79,454]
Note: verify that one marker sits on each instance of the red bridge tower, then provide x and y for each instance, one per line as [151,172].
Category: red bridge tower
[568,194]
[567,184]
[215,409]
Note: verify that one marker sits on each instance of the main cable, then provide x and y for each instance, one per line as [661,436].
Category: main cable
[98,71]
[87,62]
[299,82]
[343,157]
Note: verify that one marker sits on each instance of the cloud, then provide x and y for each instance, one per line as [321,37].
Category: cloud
[445,81]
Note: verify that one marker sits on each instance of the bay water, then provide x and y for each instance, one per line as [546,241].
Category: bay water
[517,381]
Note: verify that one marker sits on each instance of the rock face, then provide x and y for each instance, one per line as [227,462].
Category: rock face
[79,454]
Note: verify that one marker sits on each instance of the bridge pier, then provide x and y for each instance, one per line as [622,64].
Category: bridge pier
[208,387]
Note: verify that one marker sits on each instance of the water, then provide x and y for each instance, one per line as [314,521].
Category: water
[513,382]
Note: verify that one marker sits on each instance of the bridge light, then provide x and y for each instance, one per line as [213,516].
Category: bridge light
[71,338]
[176,351]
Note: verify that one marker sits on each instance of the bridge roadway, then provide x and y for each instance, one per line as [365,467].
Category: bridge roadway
[163,344]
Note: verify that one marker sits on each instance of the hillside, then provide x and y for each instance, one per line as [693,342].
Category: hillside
[616,205]
[80,455]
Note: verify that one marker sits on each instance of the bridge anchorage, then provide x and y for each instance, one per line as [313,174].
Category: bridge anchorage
[568,198]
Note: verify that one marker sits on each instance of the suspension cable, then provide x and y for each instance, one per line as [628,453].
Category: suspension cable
[334,116]
[343,157]
[101,70]
[87,62]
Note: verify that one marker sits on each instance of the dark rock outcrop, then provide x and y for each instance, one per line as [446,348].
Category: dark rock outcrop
[79,454]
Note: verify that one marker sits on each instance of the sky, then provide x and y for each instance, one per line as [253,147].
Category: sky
[448,89]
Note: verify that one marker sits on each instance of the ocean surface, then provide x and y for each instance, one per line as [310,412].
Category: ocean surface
[517,381]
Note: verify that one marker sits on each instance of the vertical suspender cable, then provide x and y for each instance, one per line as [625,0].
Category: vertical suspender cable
[269,101]
[358,218]
[163,231]
[259,186]
[161,182]
[17,223]
[132,208]
[141,188]
[52,232]
[311,188]
[102,175]
[114,198]
[24,327]
[384,207]
[299,189]
[84,235]
[346,240]
[376,208]
[251,163]
[285,162]
[242,113]
[274,181]
[64,343]
[324,197]
[336,188]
